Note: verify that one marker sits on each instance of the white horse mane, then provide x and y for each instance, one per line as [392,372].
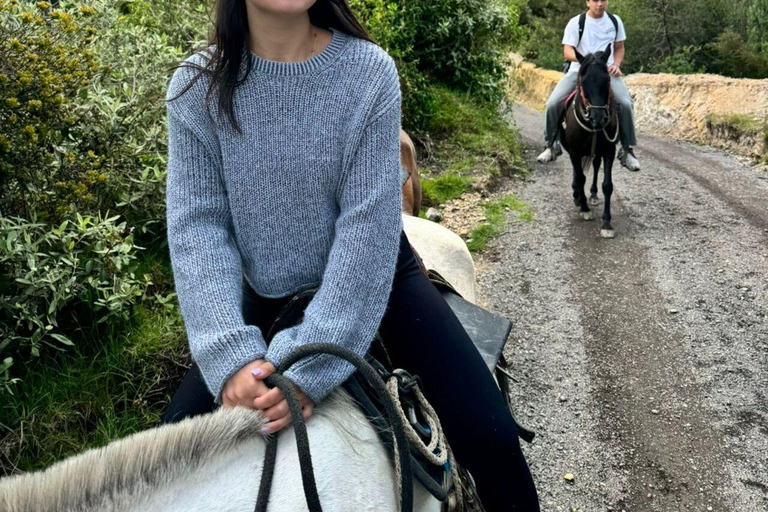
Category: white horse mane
[141,462]
[131,464]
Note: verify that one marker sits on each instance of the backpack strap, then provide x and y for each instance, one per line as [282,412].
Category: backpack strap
[582,22]
[615,24]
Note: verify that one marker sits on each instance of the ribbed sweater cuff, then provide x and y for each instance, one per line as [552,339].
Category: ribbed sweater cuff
[316,375]
[282,344]
[221,359]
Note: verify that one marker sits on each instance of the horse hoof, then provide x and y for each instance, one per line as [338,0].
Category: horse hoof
[587,216]
[607,233]
[594,201]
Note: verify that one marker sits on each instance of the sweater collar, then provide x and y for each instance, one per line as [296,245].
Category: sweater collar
[319,60]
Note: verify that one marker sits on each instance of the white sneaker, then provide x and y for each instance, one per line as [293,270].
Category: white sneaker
[628,160]
[550,153]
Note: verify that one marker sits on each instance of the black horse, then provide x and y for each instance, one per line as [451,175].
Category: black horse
[590,133]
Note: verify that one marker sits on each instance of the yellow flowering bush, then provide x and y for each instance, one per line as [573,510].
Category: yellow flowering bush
[43,71]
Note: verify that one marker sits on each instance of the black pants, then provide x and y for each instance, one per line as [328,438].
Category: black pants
[424,337]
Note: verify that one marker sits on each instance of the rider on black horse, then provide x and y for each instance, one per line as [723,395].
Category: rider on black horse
[588,33]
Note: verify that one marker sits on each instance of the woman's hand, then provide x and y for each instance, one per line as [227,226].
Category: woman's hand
[614,70]
[242,387]
[275,407]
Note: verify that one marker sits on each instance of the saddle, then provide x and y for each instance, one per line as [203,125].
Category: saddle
[489,333]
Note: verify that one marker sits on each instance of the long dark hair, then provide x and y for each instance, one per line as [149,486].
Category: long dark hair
[230,37]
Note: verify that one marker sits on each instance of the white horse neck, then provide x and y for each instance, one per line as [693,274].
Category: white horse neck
[213,462]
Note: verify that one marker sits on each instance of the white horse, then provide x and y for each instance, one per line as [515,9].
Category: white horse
[214,461]
[443,250]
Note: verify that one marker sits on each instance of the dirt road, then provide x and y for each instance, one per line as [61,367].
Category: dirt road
[642,361]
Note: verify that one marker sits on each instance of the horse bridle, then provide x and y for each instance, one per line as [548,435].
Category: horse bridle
[588,106]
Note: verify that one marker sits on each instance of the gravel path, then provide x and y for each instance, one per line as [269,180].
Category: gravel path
[642,361]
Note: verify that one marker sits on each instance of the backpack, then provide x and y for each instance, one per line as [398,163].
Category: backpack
[582,22]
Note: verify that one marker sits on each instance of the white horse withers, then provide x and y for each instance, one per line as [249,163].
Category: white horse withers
[213,461]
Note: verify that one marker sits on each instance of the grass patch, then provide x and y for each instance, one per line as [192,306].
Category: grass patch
[739,122]
[117,380]
[436,191]
[471,137]
[495,213]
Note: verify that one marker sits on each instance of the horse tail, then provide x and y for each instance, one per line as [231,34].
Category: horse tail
[586,163]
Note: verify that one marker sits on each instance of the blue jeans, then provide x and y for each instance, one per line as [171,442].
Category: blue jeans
[556,107]
[423,336]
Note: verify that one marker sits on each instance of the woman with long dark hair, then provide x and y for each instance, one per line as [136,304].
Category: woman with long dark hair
[283,171]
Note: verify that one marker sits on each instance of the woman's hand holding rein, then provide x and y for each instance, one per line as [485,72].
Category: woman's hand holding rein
[274,405]
[242,388]
[247,388]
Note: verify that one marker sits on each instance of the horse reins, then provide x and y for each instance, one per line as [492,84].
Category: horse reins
[402,450]
[588,106]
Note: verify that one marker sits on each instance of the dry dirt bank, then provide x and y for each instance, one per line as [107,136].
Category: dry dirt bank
[709,109]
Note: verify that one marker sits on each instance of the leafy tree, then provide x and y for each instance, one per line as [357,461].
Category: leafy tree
[678,36]
[757,24]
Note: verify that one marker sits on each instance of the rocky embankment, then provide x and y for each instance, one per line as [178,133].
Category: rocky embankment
[724,112]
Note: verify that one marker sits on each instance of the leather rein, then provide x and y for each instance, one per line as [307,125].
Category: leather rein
[586,107]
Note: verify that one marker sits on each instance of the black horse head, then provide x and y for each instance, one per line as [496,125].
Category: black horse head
[596,83]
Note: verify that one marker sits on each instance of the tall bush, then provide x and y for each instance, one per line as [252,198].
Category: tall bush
[46,166]
[82,88]
[463,44]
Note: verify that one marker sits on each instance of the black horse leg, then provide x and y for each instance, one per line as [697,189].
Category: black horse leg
[579,180]
[593,191]
[575,184]
[606,230]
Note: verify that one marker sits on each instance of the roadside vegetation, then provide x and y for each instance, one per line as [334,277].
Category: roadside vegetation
[740,123]
[497,211]
[739,127]
[92,343]
[470,149]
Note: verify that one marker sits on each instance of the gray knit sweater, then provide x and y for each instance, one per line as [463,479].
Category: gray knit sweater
[308,193]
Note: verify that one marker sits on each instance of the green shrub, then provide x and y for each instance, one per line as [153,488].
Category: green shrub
[735,57]
[45,166]
[89,133]
[462,44]
[44,271]
[82,91]
[470,135]
[543,44]
[682,62]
